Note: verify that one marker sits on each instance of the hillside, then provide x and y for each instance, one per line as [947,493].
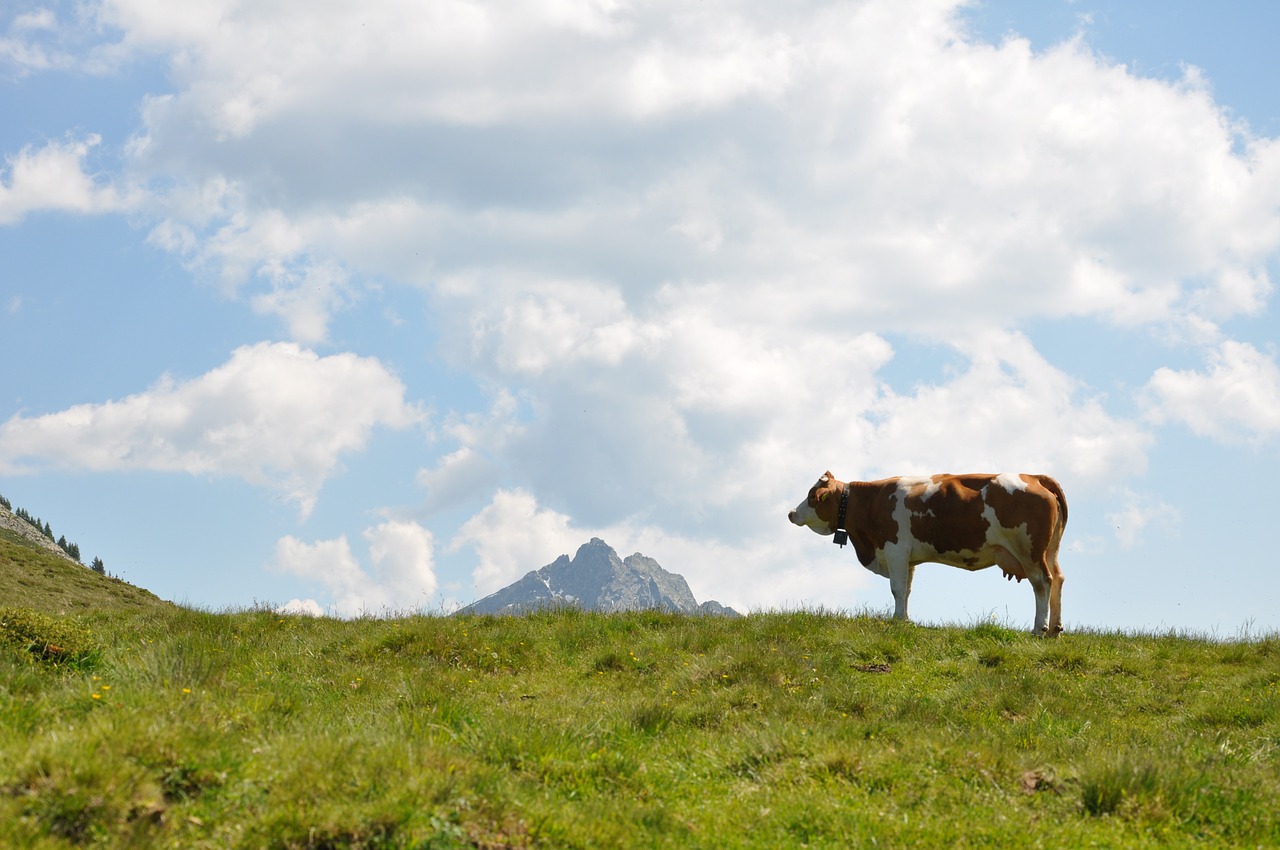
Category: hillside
[36,574]
[570,729]
[128,722]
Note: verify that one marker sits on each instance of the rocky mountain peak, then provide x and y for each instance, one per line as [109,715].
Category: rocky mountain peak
[596,579]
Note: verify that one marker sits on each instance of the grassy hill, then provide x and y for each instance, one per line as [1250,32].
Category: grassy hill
[191,729]
[32,576]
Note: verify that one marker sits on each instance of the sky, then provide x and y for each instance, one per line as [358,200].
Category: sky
[369,308]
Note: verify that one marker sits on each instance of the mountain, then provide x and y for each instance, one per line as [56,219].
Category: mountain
[596,579]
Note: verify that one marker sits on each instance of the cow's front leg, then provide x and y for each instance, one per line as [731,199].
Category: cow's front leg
[900,575]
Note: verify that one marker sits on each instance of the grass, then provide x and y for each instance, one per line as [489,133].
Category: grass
[249,729]
[36,578]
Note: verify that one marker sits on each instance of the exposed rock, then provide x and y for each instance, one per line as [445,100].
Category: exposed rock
[715,609]
[596,579]
[12,522]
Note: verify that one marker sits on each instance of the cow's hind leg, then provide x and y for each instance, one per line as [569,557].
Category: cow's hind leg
[1055,597]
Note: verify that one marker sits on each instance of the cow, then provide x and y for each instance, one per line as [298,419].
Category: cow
[1014,521]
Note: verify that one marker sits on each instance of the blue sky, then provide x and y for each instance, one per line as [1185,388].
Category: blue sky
[378,307]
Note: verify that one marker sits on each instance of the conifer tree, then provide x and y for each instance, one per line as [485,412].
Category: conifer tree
[99,567]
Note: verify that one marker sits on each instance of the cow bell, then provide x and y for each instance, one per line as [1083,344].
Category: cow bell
[842,536]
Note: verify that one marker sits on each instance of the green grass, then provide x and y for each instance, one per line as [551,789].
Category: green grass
[250,729]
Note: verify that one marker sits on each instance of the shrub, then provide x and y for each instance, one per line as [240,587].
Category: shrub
[59,641]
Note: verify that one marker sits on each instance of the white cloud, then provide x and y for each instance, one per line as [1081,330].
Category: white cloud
[529,325]
[24,47]
[148,25]
[305,607]
[38,19]
[305,299]
[1136,513]
[461,477]
[469,63]
[1010,410]
[401,554]
[709,62]
[1236,398]
[53,178]
[276,415]
[401,576]
[509,531]
[870,156]
[456,478]
[719,419]
[328,562]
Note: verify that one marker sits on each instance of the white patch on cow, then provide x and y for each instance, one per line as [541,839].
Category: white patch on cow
[906,543]
[808,517]
[1010,482]
[1015,542]
[907,482]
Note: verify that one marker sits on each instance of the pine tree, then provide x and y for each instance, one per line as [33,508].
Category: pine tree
[99,567]
[48,532]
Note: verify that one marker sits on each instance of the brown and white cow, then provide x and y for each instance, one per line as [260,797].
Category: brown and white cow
[968,521]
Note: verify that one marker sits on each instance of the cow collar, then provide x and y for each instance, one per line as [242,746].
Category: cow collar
[842,536]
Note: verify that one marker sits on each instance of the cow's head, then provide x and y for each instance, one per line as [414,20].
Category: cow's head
[819,509]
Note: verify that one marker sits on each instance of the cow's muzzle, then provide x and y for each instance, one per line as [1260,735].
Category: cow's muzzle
[805,517]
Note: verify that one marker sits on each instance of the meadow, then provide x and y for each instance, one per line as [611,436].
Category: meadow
[153,725]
